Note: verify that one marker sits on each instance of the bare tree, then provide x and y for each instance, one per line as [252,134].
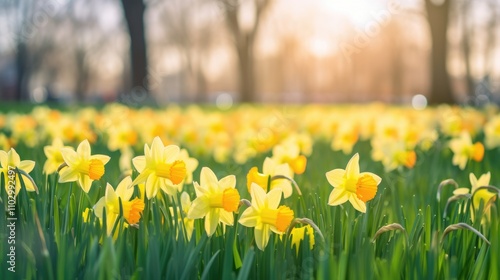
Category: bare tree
[492,27]
[466,44]
[244,41]
[191,33]
[134,16]
[438,12]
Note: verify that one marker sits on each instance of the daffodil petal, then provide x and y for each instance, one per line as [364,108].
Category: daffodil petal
[28,184]
[85,182]
[274,198]
[268,166]
[26,165]
[69,155]
[374,176]
[258,196]
[157,149]
[226,217]
[199,208]
[211,221]
[249,217]
[68,175]
[337,196]
[103,158]
[185,202]
[357,203]
[352,168]
[141,178]
[110,195]
[99,207]
[335,177]
[227,182]
[139,163]
[151,186]
[84,149]
[208,178]
[123,190]
[171,152]
[4,159]
[262,237]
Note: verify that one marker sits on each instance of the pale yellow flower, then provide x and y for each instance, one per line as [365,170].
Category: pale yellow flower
[482,196]
[54,156]
[266,215]
[216,200]
[297,235]
[8,162]
[492,133]
[353,186]
[188,223]
[160,168]
[131,209]
[82,166]
[463,149]
[270,169]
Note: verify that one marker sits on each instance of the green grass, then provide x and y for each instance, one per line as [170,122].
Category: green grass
[52,241]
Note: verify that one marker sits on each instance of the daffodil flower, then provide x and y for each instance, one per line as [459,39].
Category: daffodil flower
[54,156]
[350,184]
[132,209]
[11,160]
[463,150]
[289,153]
[270,169]
[266,215]
[188,223]
[297,235]
[160,168]
[482,195]
[82,166]
[216,200]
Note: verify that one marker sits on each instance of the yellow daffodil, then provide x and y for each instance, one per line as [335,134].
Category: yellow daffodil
[85,215]
[492,133]
[393,154]
[160,168]
[482,195]
[216,200]
[463,150]
[266,215]
[271,169]
[5,143]
[11,160]
[350,184]
[132,209]
[188,223]
[289,153]
[54,156]
[82,166]
[346,137]
[297,235]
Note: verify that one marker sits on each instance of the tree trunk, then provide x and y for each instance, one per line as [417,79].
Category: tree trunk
[437,16]
[82,76]
[134,15]
[246,65]
[466,48]
[22,72]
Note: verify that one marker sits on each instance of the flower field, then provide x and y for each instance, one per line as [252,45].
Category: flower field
[259,192]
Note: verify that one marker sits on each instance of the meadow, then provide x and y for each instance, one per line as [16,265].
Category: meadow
[251,192]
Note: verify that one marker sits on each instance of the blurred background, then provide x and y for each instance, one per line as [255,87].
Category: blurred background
[224,51]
